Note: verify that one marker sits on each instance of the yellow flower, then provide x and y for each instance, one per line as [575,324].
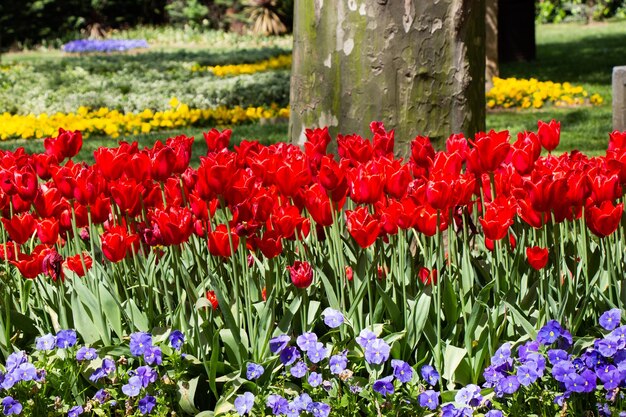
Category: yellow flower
[514,92]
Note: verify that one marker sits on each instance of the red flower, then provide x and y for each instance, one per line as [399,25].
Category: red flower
[74,264]
[317,141]
[175,224]
[355,149]
[549,134]
[383,141]
[270,244]
[20,227]
[216,140]
[210,295]
[181,145]
[617,140]
[219,241]
[26,183]
[48,231]
[162,162]
[525,152]
[440,194]
[366,183]
[489,151]
[426,220]
[604,219]
[332,176]
[362,226]
[537,257]
[31,265]
[428,277]
[66,145]
[497,218]
[318,205]
[301,274]
[422,152]
[9,251]
[116,243]
[349,273]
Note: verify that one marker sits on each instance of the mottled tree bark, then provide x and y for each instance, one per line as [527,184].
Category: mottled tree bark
[418,66]
[491,42]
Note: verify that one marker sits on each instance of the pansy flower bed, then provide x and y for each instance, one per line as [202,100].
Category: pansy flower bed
[82,46]
[443,255]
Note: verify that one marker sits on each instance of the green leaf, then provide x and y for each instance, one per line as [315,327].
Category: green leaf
[111,310]
[82,322]
[452,358]
[186,393]
[518,318]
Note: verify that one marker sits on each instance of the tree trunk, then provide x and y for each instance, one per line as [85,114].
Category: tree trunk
[418,66]
[491,42]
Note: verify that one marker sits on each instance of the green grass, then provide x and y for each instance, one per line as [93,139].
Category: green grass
[264,133]
[581,54]
[578,53]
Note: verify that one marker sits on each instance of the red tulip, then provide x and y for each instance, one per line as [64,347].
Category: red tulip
[317,141]
[181,145]
[219,241]
[422,152]
[74,264]
[428,277]
[457,143]
[216,140]
[604,219]
[318,205]
[398,177]
[426,220]
[210,295]
[174,223]
[549,134]
[66,145]
[355,149]
[617,140]
[383,141]
[20,227]
[362,226]
[349,273]
[48,231]
[26,183]
[497,218]
[9,251]
[270,244]
[332,177]
[162,162]
[366,183]
[293,174]
[537,257]
[489,151]
[117,243]
[301,274]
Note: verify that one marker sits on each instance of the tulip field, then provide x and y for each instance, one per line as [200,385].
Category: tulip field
[275,280]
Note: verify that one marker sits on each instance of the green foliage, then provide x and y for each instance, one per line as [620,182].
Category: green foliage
[137,82]
[29,22]
[187,12]
[556,11]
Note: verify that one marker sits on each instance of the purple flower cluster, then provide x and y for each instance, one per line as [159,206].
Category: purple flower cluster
[19,371]
[105,45]
[599,371]
[322,368]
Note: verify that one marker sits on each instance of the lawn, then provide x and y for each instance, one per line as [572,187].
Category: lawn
[580,54]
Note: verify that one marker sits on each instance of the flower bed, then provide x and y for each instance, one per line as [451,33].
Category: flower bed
[82,46]
[444,254]
[279,62]
[113,123]
[522,93]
